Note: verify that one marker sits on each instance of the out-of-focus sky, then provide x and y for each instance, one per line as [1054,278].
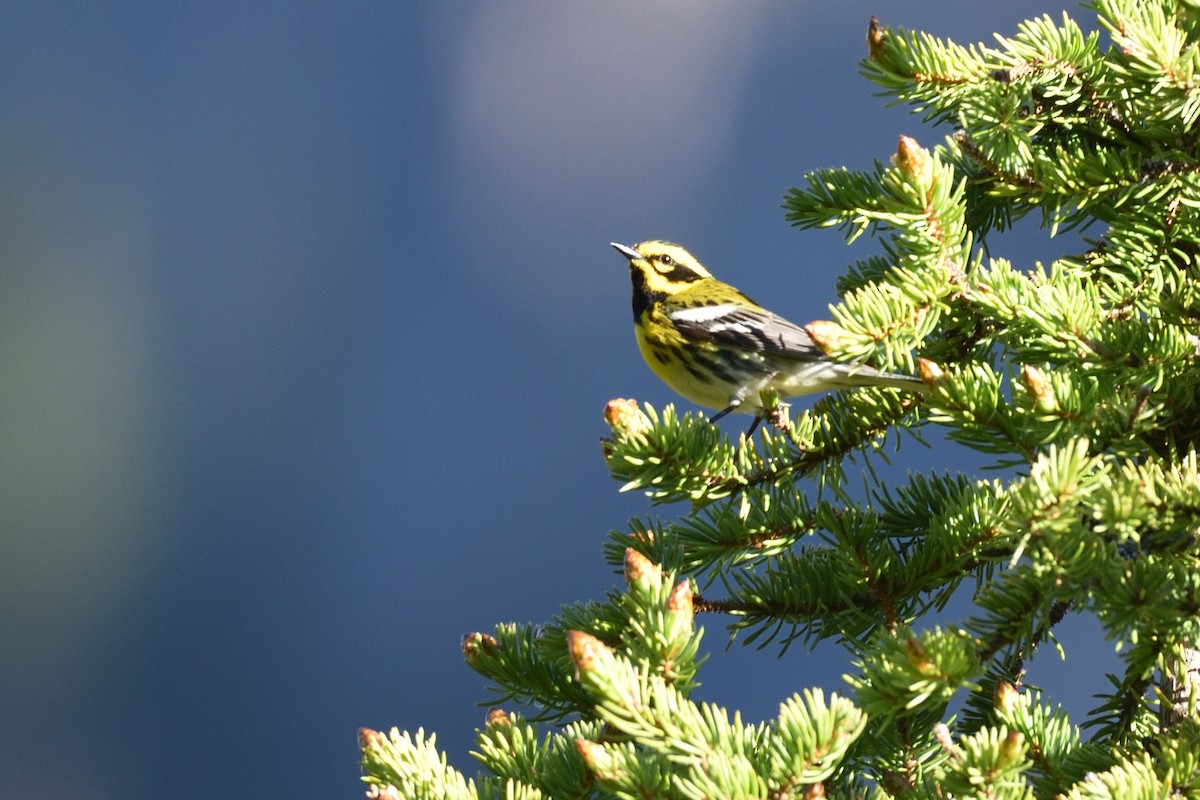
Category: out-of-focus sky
[307,320]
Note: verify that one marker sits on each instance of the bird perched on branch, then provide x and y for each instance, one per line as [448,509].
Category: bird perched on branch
[720,349]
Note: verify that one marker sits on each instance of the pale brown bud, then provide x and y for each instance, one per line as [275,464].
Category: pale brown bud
[1012,748]
[918,656]
[1039,388]
[931,373]
[828,335]
[498,716]
[876,36]
[638,568]
[911,158]
[681,608]
[370,740]
[680,601]
[585,650]
[592,752]
[625,418]
[941,733]
[479,645]
[1005,697]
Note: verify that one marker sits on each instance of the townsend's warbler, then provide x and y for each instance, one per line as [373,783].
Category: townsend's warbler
[720,349]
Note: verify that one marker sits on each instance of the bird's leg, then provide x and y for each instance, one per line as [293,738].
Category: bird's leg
[724,411]
[757,419]
[735,401]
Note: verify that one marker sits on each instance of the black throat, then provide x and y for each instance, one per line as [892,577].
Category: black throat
[643,298]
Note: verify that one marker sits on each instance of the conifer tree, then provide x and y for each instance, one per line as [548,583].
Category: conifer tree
[1080,378]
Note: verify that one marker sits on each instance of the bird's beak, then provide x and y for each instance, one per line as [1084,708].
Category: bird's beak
[626,251]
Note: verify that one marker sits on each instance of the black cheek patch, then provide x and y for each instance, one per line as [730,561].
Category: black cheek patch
[678,273]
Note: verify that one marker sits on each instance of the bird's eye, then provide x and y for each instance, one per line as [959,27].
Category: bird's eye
[666,261]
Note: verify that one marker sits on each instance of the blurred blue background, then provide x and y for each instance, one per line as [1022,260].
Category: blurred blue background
[308,318]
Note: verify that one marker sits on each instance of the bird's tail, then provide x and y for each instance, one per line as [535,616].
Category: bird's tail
[863,375]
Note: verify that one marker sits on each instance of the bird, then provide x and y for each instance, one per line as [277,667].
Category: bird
[721,350]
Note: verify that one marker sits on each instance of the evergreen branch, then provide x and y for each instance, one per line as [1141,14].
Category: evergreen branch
[1082,374]
[675,458]
[848,425]
[672,457]
[857,539]
[1015,664]
[1060,758]
[515,662]
[723,535]
[411,761]
[976,154]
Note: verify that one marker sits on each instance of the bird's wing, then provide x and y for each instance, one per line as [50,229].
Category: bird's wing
[745,327]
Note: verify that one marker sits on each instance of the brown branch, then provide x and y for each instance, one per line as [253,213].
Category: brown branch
[812,459]
[990,167]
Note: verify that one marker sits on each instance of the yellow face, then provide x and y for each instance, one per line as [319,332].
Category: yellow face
[662,268]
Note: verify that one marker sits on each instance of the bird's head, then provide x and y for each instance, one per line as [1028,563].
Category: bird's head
[661,268]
